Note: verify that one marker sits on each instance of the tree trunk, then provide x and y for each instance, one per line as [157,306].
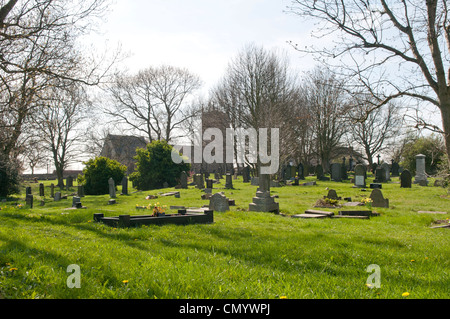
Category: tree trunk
[445,113]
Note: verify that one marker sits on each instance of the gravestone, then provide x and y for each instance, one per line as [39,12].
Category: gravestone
[112,188]
[80,191]
[319,172]
[336,172]
[41,190]
[69,181]
[124,185]
[75,201]
[332,195]
[52,190]
[360,176]
[199,182]
[405,179]
[27,191]
[255,181]
[57,197]
[378,200]
[380,175]
[387,172]
[216,176]
[29,200]
[421,176]
[344,175]
[301,172]
[263,202]
[165,185]
[183,180]
[228,182]
[219,202]
[246,174]
[395,169]
[209,183]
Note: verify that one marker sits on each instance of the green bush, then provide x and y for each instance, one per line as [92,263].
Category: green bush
[97,173]
[9,177]
[432,147]
[155,166]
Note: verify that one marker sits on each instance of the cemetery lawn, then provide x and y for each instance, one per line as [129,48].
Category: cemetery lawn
[242,255]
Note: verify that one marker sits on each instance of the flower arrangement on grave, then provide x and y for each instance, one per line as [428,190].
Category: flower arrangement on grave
[367,201]
[158,210]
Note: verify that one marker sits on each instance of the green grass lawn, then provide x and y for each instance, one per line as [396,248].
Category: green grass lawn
[242,255]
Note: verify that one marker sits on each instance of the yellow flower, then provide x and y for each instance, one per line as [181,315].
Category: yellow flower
[405,294]
[125,281]
[12,269]
[283,297]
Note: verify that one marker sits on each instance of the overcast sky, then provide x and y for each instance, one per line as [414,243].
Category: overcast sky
[201,35]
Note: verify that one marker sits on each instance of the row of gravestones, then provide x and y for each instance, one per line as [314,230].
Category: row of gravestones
[360,177]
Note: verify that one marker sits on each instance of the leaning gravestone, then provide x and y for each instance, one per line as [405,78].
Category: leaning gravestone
[405,179]
[336,172]
[112,188]
[360,176]
[219,202]
[421,176]
[378,200]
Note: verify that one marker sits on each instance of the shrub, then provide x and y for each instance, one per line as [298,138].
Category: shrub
[432,147]
[9,177]
[97,173]
[155,166]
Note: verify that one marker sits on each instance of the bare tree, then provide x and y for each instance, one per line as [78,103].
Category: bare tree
[58,123]
[258,91]
[153,102]
[377,130]
[38,49]
[392,49]
[326,100]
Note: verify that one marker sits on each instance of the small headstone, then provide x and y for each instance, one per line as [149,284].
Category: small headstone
[421,176]
[209,183]
[27,191]
[199,183]
[387,172]
[336,172]
[405,179]
[332,195]
[301,172]
[41,190]
[319,172]
[395,169]
[69,181]
[378,200]
[112,201]
[57,197]
[228,182]
[246,174]
[112,188]
[29,200]
[183,180]
[376,185]
[263,202]
[80,191]
[124,185]
[52,190]
[219,202]
[75,200]
[360,176]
